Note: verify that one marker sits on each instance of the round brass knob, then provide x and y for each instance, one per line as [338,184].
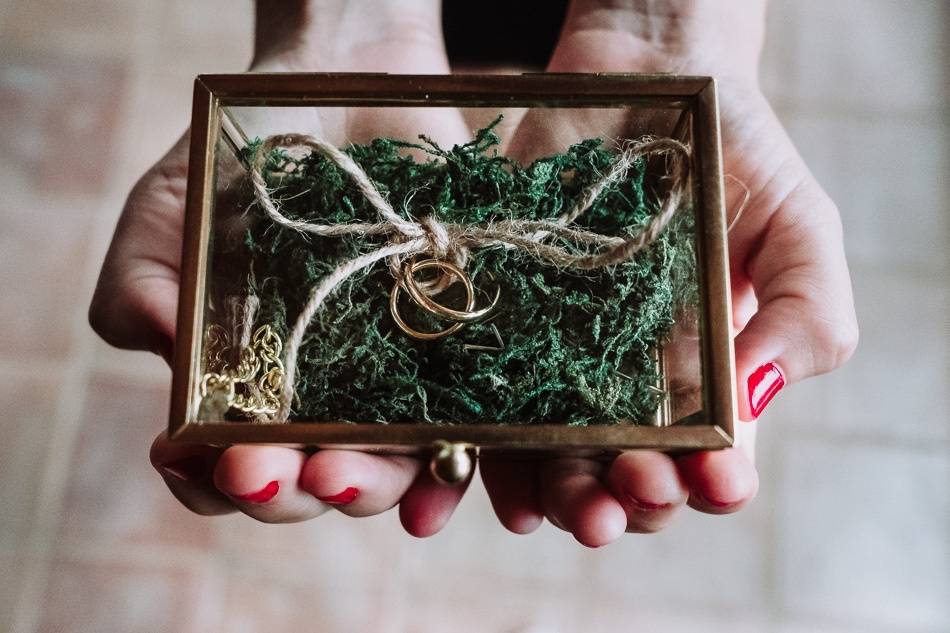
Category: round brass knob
[452,463]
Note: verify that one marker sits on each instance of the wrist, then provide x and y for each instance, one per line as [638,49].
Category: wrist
[283,35]
[341,35]
[701,37]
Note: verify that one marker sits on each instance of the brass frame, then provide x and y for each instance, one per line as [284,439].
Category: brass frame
[695,96]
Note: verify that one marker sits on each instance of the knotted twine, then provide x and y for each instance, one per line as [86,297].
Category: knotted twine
[584,250]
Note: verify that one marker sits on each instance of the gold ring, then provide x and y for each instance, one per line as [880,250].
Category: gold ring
[444,266]
[458,316]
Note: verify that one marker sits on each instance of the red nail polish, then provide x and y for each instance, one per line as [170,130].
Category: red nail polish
[263,495]
[645,505]
[764,383]
[347,496]
[189,468]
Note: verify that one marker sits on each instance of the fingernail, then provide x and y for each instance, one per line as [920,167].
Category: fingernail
[347,496]
[764,383]
[645,505]
[720,504]
[188,468]
[263,495]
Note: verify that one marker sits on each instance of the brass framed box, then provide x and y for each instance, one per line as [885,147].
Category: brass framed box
[676,106]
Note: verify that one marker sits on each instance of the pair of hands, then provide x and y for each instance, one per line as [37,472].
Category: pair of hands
[791,291]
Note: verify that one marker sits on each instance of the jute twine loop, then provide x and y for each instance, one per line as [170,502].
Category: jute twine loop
[582,249]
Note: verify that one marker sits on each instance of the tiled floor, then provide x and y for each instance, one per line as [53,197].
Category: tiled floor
[851,530]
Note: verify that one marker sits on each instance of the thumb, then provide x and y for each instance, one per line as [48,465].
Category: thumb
[135,300]
[805,324]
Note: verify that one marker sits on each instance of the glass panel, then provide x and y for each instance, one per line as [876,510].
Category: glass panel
[569,340]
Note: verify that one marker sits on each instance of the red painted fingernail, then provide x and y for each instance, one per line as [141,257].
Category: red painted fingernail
[645,505]
[764,383]
[187,468]
[263,495]
[347,496]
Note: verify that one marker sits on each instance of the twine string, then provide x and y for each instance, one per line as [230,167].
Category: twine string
[583,249]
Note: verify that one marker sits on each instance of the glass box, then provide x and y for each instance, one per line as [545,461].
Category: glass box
[395,262]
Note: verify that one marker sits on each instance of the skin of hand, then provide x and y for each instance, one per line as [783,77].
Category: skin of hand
[790,281]
[134,305]
[792,302]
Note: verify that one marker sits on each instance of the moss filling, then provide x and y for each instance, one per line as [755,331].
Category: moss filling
[577,346]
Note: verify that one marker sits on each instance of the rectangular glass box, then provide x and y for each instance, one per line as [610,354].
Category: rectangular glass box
[544,114]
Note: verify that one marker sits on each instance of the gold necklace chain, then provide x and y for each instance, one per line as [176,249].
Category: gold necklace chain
[254,385]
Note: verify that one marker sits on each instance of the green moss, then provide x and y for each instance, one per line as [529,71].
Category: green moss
[577,345]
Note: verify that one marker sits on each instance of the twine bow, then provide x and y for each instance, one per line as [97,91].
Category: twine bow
[582,250]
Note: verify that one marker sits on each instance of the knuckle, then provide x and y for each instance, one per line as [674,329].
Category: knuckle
[847,342]
[104,314]
[157,450]
[98,316]
[123,310]
[834,342]
[102,319]
[832,217]
[119,314]
[166,178]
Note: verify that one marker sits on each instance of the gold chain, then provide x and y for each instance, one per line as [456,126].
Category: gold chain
[254,385]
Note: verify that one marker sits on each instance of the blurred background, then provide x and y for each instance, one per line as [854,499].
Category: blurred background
[850,532]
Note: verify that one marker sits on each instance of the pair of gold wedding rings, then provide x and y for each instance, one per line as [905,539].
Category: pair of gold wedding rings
[459,318]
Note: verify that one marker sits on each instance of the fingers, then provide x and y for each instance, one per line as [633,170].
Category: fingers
[135,300]
[262,482]
[648,486]
[575,500]
[787,261]
[358,484]
[428,505]
[187,471]
[642,490]
[275,484]
[805,324]
[719,482]
[513,486]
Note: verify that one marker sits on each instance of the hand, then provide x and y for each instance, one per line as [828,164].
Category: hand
[134,305]
[792,299]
